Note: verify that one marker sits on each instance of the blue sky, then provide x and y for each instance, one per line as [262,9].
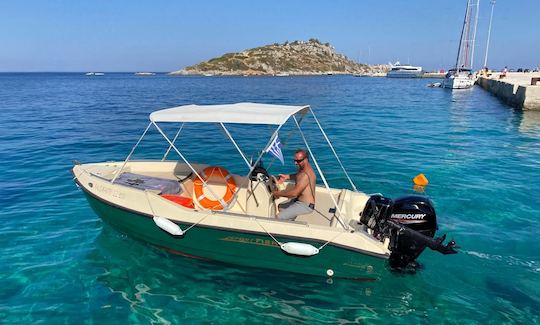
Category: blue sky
[115,35]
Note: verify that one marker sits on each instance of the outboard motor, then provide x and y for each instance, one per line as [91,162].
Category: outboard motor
[408,222]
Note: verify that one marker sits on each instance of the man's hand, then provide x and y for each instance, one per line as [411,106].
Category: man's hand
[301,184]
[283,177]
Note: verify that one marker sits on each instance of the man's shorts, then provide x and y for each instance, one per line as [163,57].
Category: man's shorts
[293,208]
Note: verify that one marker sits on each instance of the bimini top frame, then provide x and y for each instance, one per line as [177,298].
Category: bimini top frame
[243,113]
[240,113]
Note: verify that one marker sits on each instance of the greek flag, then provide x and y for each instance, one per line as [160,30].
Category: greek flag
[275,149]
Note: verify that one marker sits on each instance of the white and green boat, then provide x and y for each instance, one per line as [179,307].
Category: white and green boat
[203,211]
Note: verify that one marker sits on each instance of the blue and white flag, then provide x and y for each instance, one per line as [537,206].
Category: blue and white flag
[275,149]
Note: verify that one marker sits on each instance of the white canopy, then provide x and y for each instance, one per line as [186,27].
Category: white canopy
[245,113]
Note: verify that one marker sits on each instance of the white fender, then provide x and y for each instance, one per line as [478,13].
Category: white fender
[168,226]
[300,249]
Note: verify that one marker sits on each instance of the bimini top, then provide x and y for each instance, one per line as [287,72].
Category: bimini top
[245,113]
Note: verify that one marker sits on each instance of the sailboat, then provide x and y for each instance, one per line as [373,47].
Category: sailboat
[461,76]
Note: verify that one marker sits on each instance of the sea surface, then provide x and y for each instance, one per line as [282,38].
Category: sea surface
[60,264]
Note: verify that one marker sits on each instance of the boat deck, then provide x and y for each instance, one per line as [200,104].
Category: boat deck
[253,198]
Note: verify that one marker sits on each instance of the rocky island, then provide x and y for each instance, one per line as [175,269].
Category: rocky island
[290,58]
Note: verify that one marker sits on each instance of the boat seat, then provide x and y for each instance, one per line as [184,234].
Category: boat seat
[323,214]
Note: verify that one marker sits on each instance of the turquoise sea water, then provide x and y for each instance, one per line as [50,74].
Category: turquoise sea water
[60,264]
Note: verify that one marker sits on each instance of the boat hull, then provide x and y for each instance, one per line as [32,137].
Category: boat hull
[458,82]
[252,249]
[404,74]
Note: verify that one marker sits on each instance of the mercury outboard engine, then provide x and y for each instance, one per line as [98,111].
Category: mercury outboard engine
[408,222]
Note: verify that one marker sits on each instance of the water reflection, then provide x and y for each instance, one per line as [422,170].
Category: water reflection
[159,287]
[529,123]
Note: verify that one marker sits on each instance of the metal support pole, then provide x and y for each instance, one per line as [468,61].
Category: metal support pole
[130,153]
[322,175]
[334,151]
[234,142]
[283,143]
[192,169]
[173,141]
[252,167]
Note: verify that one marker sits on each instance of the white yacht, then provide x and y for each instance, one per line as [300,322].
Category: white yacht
[461,76]
[398,70]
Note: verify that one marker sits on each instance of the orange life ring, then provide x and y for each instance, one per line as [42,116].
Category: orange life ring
[198,186]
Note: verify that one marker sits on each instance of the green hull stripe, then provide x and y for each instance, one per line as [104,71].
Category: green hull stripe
[253,249]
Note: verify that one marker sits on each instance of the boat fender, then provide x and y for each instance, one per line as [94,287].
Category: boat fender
[300,249]
[168,226]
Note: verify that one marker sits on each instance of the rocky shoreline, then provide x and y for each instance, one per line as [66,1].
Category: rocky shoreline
[298,58]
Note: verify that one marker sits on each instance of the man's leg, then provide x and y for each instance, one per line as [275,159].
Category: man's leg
[293,210]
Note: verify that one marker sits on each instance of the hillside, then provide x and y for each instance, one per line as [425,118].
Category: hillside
[294,58]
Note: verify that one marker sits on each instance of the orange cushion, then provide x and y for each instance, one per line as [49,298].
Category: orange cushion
[182,200]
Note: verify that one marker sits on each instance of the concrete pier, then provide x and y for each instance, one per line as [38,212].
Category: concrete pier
[515,89]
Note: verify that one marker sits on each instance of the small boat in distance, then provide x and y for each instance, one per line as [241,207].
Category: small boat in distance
[198,210]
[94,74]
[144,74]
[282,74]
[461,76]
[398,70]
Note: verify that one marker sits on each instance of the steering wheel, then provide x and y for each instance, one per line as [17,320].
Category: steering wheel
[273,184]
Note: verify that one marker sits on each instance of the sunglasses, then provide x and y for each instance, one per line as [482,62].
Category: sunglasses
[299,160]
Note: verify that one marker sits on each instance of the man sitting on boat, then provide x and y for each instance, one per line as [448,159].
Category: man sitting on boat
[302,198]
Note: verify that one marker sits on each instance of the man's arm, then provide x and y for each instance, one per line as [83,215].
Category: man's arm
[284,177]
[301,183]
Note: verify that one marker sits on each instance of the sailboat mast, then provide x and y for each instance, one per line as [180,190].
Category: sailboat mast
[474,32]
[489,33]
[467,48]
[462,39]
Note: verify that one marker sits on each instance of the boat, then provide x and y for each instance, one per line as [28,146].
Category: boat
[458,79]
[144,74]
[461,76]
[201,211]
[398,70]
[94,74]
[282,74]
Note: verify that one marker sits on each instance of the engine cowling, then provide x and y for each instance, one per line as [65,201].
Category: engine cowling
[410,222]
